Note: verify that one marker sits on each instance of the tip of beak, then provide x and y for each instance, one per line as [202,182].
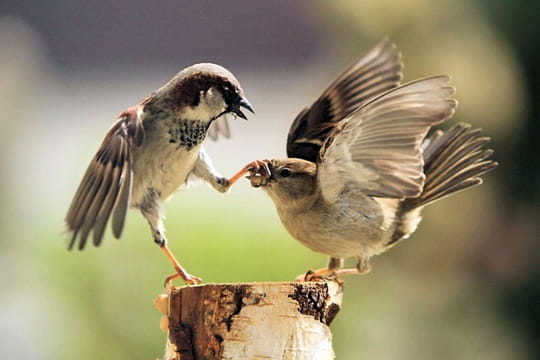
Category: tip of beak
[245,104]
[240,114]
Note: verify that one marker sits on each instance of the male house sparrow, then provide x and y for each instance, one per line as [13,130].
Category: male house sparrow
[150,152]
[360,169]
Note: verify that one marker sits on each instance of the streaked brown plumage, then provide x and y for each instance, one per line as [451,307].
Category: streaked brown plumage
[151,151]
[377,71]
[356,179]
[106,185]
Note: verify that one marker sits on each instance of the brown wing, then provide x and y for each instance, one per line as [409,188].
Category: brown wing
[106,185]
[378,147]
[376,72]
[220,126]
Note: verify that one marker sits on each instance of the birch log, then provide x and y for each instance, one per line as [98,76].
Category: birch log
[279,320]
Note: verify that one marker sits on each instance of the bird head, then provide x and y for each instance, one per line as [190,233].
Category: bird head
[205,92]
[287,181]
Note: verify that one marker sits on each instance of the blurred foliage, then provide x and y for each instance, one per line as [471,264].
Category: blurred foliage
[465,286]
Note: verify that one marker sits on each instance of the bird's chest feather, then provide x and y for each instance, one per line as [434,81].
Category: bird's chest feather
[185,133]
[353,225]
[167,156]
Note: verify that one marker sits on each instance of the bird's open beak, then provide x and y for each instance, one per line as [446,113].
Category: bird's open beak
[242,103]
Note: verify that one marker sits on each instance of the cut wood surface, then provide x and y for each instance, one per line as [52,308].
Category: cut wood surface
[278,320]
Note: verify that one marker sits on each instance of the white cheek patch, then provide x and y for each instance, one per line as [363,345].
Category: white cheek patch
[213,102]
[210,106]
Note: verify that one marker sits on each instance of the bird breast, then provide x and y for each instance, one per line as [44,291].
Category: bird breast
[166,158]
[351,226]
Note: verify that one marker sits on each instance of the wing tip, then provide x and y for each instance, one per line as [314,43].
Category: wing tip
[71,243]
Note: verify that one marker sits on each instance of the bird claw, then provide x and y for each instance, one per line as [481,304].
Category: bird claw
[320,275]
[259,167]
[192,280]
[317,275]
[188,279]
[308,276]
[259,172]
[253,168]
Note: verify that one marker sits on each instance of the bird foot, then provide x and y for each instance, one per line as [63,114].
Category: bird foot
[317,275]
[254,168]
[180,272]
[188,278]
[327,274]
[259,172]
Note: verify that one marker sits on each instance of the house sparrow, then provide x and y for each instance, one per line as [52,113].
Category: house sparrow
[360,168]
[152,150]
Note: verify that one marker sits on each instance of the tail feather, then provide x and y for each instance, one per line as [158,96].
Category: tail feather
[453,161]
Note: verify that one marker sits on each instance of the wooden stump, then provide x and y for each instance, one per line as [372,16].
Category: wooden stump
[286,320]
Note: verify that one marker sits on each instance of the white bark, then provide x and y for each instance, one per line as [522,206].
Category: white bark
[250,321]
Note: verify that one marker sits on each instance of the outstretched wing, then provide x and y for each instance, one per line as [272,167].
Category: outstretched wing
[378,147]
[374,73]
[219,127]
[106,186]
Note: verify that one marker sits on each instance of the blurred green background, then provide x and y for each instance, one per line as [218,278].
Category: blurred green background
[466,285]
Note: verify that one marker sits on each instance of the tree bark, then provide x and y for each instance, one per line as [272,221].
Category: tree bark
[280,320]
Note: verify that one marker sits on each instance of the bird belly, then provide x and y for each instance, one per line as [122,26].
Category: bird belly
[161,169]
[336,236]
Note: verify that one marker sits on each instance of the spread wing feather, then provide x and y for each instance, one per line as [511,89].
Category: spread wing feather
[106,186]
[374,73]
[219,127]
[378,147]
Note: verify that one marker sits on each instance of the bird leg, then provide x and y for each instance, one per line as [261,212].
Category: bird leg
[254,167]
[362,267]
[161,241]
[151,210]
[204,169]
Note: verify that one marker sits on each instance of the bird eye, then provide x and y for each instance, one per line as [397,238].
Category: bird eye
[285,172]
